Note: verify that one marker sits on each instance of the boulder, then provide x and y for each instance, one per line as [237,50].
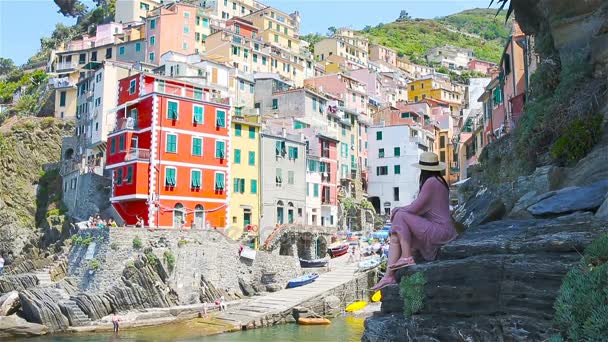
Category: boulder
[484,207]
[497,282]
[273,287]
[602,212]
[9,303]
[40,306]
[17,282]
[571,199]
[246,288]
[13,326]
[331,305]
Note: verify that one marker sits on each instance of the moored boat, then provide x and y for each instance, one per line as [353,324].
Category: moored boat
[313,321]
[313,263]
[338,250]
[356,306]
[368,264]
[302,280]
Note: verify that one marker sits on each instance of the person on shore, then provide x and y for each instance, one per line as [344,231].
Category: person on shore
[112,223]
[140,222]
[424,225]
[1,264]
[115,320]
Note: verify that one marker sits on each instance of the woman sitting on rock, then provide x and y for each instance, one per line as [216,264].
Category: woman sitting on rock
[424,225]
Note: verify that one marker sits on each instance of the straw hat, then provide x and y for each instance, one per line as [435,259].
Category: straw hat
[430,162]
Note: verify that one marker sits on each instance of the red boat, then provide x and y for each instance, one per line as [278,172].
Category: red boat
[338,250]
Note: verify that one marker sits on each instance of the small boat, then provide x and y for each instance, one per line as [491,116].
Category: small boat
[338,250]
[313,263]
[356,306]
[376,297]
[313,321]
[302,280]
[368,264]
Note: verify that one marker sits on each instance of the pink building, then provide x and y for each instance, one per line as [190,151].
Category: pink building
[348,89]
[481,66]
[382,53]
[170,28]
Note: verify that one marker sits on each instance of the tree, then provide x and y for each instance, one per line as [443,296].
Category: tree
[6,65]
[403,16]
[331,30]
[71,8]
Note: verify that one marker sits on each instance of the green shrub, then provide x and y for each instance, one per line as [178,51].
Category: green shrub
[114,246]
[581,308]
[137,244]
[94,264]
[86,241]
[182,242]
[152,259]
[170,260]
[131,264]
[76,240]
[411,289]
[577,140]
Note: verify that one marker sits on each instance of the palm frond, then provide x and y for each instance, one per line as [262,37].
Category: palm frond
[503,3]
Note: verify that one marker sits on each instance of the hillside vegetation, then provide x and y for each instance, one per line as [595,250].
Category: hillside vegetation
[478,29]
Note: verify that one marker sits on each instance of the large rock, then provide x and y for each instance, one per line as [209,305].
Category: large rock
[93,305]
[484,207]
[13,326]
[602,212]
[9,303]
[40,306]
[570,200]
[17,282]
[496,282]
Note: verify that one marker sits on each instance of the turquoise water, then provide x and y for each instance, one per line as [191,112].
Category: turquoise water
[343,329]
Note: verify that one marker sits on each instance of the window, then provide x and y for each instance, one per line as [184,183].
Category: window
[279,177]
[396,194]
[280,215]
[151,56]
[94,56]
[172,110]
[119,176]
[280,149]
[237,156]
[129,178]
[82,58]
[275,103]
[276,38]
[242,83]
[170,177]
[442,141]
[205,22]
[239,185]
[237,130]
[382,170]
[397,151]
[290,177]
[220,118]
[234,5]
[185,46]
[132,84]
[235,50]
[252,158]
[112,145]
[220,149]
[152,24]
[219,181]
[254,186]
[171,145]
[251,88]
[198,94]
[186,14]
[62,97]
[397,169]
[121,143]
[293,153]
[121,50]
[442,156]
[198,114]
[378,135]
[195,179]
[263,60]
[197,146]
[381,153]
[255,58]
[314,103]
[152,40]
[315,190]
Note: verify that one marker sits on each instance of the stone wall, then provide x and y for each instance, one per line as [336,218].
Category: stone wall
[91,195]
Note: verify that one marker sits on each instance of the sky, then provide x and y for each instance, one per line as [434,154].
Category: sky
[20,34]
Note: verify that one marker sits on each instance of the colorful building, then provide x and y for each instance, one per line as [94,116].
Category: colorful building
[170,27]
[382,53]
[129,11]
[451,57]
[277,27]
[344,43]
[245,171]
[170,154]
[438,88]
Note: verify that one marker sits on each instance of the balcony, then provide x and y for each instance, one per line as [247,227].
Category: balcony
[138,154]
[173,89]
[65,66]
[125,124]
[63,82]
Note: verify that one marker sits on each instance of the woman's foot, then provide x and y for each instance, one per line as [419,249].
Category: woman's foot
[401,263]
[384,282]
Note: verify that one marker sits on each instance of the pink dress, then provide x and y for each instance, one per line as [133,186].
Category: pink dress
[426,223]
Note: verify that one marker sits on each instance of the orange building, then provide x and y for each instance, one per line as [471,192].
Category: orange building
[169,153]
[170,27]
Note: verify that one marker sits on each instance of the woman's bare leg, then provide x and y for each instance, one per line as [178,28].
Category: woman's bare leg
[404,240]
[394,252]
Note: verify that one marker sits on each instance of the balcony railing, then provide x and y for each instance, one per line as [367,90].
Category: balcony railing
[125,123]
[172,89]
[63,82]
[67,65]
[138,154]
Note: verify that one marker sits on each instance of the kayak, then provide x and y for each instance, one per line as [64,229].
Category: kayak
[313,321]
[376,297]
[369,264]
[356,306]
[302,280]
[313,263]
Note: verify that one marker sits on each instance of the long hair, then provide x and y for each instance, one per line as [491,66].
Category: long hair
[426,175]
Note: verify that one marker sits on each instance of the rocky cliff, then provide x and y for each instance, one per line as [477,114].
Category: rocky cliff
[30,187]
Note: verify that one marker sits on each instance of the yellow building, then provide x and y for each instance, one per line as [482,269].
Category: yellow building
[244,200]
[347,44]
[277,28]
[437,88]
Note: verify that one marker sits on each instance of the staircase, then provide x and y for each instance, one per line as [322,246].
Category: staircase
[44,277]
[69,308]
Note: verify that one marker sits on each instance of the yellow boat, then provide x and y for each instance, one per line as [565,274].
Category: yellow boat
[313,321]
[356,306]
[376,297]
